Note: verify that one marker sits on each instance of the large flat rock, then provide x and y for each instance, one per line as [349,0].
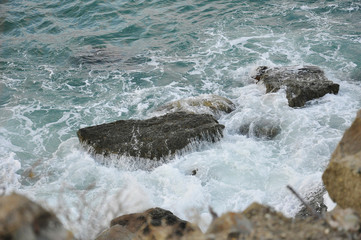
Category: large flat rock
[342,177]
[301,83]
[153,138]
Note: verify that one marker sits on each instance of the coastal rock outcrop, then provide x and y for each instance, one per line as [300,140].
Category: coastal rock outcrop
[269,224]
[203,104]
[255,222]
[342,177]
[23,219]
[155,223]
[301,83]
[153,138]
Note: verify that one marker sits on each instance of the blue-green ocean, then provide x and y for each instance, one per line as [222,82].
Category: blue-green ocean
[65,65]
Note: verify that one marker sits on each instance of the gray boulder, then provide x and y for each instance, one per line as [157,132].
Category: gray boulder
[153,138]
[301,83]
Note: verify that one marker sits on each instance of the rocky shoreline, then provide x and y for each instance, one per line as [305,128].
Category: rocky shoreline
[182,124]
[195,119]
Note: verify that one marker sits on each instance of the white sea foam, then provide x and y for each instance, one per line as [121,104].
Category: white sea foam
[328,202]
[9,179]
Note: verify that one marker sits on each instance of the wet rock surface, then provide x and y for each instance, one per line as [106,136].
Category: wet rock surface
[153,138]
[203,104]
[155,223]
[342,177]
[316,202]
[301,83]
[22,219]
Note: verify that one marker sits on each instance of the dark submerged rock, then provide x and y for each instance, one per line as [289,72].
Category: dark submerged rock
[153,138]
[262,128]
[95,55]
[106,55]
[302,83]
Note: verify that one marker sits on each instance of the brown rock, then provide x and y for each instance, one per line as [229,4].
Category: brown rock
[256,222]
[344,219]
[269,224]
[229,226]
[342,177]
[155,223]
[22,219]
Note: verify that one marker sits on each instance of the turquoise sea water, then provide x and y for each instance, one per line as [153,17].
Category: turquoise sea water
[70,64]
